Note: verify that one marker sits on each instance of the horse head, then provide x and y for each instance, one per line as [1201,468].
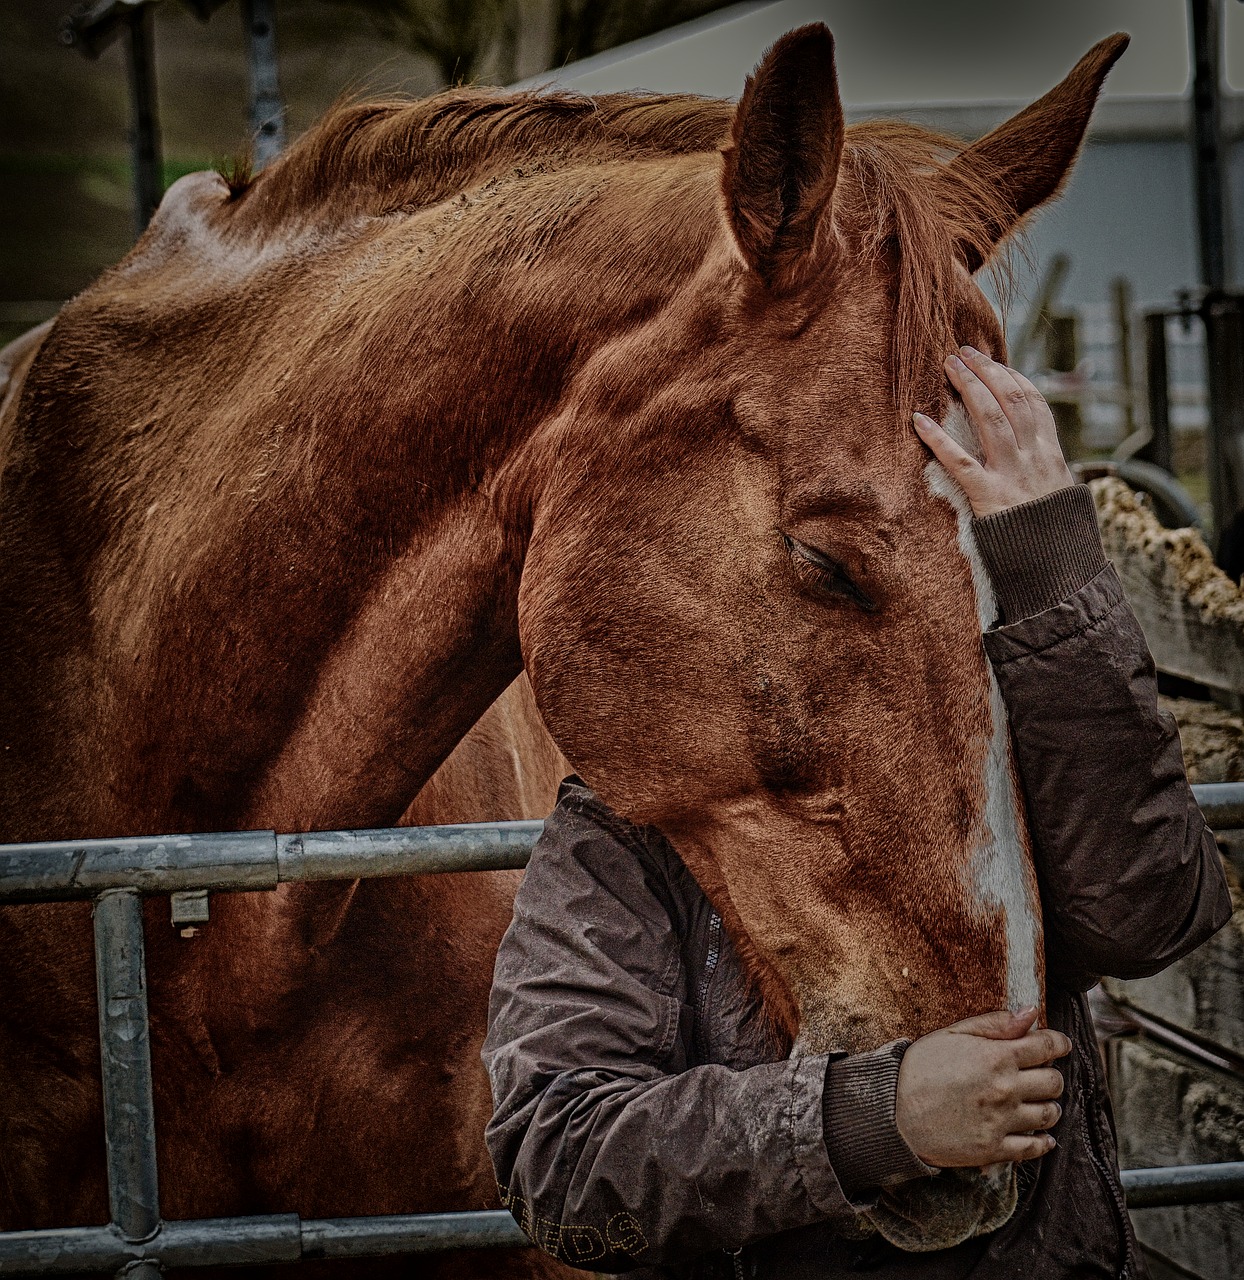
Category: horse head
[751,607]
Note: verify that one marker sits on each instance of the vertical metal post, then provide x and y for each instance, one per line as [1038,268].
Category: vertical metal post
[1223,314]
[267,113]
[1211,221]
[1121,297]
[125,1054]
[1157,383]
[144,119]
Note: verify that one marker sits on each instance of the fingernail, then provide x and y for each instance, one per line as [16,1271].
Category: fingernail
[971,351]
[955,362]
[1028,1011]
[920,419]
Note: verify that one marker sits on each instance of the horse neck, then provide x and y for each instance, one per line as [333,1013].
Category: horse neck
[437,640]
[303,637]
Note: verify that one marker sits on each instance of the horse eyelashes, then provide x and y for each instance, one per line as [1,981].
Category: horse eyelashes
[826,574]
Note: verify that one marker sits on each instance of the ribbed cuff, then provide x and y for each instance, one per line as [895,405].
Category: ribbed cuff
[1041,552]
[865,1147]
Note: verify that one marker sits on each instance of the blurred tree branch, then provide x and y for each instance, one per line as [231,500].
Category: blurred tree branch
[466,38]
[457,35]
[584,27]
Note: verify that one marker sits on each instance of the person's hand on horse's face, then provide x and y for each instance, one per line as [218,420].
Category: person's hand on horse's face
[1022,457]
[979,1092]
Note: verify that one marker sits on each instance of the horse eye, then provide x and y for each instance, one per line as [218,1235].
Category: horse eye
[827,574]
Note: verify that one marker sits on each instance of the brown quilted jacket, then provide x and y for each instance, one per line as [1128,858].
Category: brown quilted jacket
[644,1123]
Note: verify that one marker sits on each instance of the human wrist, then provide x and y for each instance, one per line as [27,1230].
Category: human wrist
[1040,552]
[865,1147]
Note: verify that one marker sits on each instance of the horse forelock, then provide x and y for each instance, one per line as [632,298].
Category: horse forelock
[908,207]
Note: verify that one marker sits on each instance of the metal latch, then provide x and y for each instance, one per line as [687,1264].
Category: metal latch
[189,907]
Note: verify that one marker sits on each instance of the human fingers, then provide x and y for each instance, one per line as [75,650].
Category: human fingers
[1032,1116]
[1039,1084]
[985,407]
[1039,1047]
[1000,1024]
[1044,428]
[966,469]
[1018,1147]
[1018,399]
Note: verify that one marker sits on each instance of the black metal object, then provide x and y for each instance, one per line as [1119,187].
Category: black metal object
[1207,137]
[92,28]
[1173,505]
[144,119]
[1187,1184]
[1157,449]
[1186,1043]
[1221,312]
[116,873]
[1223,315]
[267,113]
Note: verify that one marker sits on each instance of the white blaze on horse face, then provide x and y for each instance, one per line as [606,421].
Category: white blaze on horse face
[1000,875]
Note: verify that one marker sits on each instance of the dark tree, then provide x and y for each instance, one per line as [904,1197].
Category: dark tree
[466,38]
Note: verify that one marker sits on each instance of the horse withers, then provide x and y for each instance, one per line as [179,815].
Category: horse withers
[612,391]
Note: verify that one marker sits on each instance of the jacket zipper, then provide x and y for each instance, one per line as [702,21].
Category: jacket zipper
[706,978]
[710,966]
[1092,1136]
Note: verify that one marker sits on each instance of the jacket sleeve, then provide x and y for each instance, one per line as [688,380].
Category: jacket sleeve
[610,1151]
[1130,875]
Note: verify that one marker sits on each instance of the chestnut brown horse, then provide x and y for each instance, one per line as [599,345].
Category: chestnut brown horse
[615,391]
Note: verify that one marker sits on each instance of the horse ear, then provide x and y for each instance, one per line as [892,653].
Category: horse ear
[1026,160]
[782,162]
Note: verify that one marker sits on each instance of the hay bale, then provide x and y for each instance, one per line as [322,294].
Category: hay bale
[1212,740]
[1192,614]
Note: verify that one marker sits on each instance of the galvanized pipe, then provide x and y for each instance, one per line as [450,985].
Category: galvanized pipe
[1187,1184]
[285,1238]
[55,870]
[267,112]
[212,1242]
[410,1233]
[125,1054]
[403,851]
[1222,803]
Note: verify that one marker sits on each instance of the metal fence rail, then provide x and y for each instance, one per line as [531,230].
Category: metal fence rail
[115,873]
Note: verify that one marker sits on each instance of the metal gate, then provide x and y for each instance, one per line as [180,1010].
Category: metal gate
[116,873]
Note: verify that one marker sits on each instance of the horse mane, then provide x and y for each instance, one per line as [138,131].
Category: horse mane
[373,158]
[899,197]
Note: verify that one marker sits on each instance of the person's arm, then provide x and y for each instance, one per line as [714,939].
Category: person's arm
[1130,875]
[612,1152]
